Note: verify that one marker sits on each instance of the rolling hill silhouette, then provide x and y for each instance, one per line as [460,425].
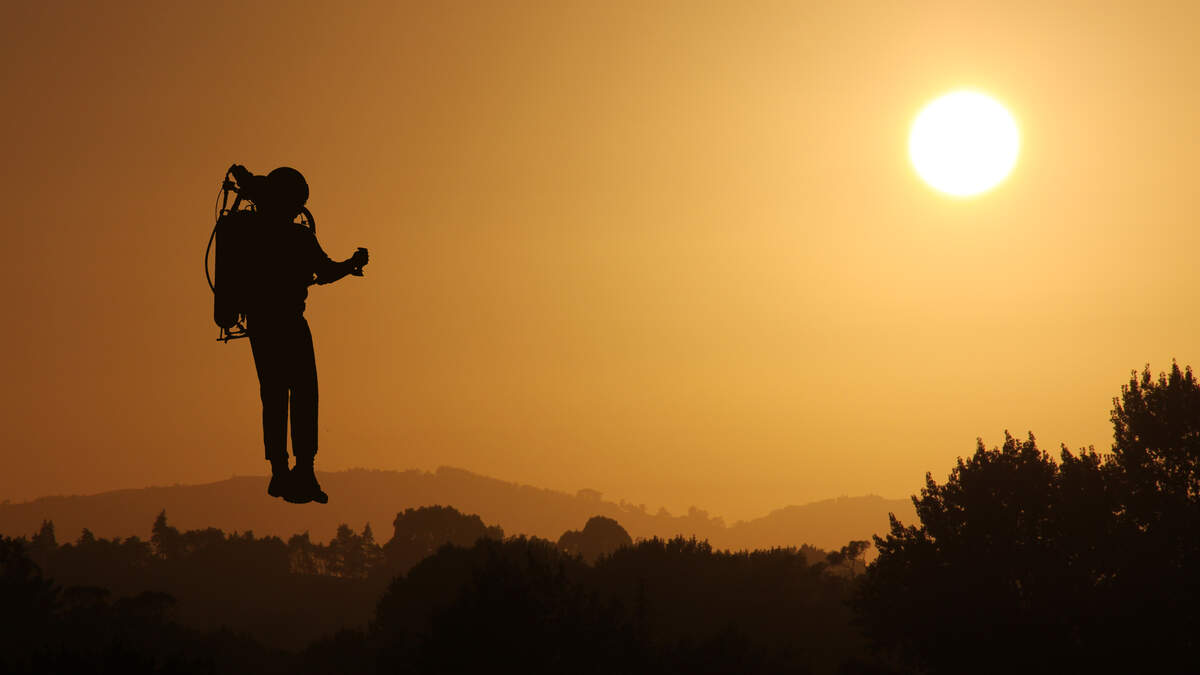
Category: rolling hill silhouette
[370,496]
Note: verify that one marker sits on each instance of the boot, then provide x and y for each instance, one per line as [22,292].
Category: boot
[280,477]
[304,487]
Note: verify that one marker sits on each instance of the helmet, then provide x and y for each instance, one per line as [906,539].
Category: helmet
[288,188]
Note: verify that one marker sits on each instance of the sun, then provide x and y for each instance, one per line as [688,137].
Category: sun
[963,143]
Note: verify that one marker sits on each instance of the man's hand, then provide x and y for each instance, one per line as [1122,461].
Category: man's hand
[357,261]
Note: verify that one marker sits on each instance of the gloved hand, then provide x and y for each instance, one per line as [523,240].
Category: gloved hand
[357,261]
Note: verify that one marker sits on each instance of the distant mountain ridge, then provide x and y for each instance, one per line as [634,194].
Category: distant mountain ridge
[359,496]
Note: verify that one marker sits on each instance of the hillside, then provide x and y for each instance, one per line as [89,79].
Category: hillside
[362,496]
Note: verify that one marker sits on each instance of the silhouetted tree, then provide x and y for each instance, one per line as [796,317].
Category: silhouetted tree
[351,555]
[44,541]
[302,555]
[372,552]
[1156,449]
[419,532]
[600,536]
[1086,564]
[28,605]
[849,557]
[166,540]
[1156,429]
[995,567]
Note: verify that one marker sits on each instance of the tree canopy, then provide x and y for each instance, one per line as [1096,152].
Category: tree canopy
[1042,564]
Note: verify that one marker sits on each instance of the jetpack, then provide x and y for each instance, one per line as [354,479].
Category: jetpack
[227,259]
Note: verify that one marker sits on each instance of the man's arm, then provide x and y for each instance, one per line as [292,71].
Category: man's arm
[329,271]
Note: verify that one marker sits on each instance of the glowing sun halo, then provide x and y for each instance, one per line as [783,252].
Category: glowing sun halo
[963,143]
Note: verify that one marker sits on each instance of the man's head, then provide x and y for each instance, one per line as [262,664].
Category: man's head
[286,192]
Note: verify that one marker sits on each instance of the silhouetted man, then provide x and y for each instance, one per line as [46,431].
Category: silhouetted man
[285,260]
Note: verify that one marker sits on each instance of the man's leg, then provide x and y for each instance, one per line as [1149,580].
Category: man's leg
[304,395]
[273,390]
[303,364]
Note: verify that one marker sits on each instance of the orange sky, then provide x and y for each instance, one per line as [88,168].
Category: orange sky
[673,252]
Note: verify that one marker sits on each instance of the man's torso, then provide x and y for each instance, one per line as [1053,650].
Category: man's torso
[283,262]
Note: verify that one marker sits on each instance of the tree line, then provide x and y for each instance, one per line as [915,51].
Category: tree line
[1019,562]
[443,581]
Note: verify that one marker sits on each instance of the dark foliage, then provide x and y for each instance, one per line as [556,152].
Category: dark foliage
[600,536]
[1156,483]
[657,606]
[1082,565]
[651,607]
[284,594]
[81,629]
[418,533]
